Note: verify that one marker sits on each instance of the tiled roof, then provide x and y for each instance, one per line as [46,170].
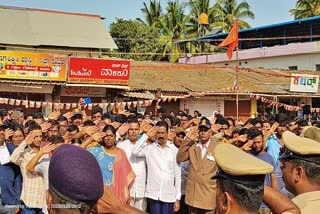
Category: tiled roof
[203,78]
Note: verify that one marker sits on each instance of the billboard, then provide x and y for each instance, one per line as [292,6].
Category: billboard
[32,66]
[99,71]
[304,83]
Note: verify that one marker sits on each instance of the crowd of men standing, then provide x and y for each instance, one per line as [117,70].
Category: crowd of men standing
[176,163]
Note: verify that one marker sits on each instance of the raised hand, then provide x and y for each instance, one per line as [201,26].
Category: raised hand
[29,139]
[68,115]
[123,129]
[215,127]
[81,103]
[54,115]
[192,135]
[152,132]
[115,125]
[247,147]
[8,133]
[274,128]
[145,127]
[97,137]
[243,138]
[48,148]
[91,130]
[45,127]
[227,132]
[171,135]
[248,126]
[66,137]
[196,121]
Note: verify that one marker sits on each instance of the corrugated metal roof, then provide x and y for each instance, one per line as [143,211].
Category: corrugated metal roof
[35,27]
[207,78]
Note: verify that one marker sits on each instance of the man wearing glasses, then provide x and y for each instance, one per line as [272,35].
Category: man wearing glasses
[198,149]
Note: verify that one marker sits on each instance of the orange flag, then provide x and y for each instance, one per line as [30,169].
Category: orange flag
[232,39]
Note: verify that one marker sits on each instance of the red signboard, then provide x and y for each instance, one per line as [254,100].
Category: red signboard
[99,71]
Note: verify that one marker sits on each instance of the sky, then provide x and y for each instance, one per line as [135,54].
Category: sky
[266,11]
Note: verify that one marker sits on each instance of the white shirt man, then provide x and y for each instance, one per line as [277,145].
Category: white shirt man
[164,173]
[138,165]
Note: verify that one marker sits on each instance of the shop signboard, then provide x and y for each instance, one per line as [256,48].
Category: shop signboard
[99,71]
[69,91]
[32,66]
[304,83]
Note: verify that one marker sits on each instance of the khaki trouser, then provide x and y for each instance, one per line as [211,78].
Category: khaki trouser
[194,210]
[264,211]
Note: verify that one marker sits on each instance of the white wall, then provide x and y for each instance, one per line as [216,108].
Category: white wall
[205,105]
[304,62]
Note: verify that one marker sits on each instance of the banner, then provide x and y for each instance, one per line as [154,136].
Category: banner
[32,66]
[304,83]
[99,71]
[83,91]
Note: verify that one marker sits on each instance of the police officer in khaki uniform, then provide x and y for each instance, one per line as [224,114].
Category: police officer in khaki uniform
[301,171]
[240,184]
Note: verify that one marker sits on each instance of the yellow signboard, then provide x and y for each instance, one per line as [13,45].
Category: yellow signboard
[33,66]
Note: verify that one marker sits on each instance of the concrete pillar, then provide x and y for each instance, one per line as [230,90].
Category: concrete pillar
[46,111]
[254,107]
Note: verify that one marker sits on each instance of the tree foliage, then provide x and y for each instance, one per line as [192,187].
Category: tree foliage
[305,9]
[165,26]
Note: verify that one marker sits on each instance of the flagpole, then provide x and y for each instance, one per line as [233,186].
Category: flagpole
[237,98]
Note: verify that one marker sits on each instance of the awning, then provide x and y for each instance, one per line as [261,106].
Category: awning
[101,86]
[34,88]
[142,95]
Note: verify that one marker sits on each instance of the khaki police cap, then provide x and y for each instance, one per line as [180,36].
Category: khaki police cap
[300,145]
[311,132]
[233,161]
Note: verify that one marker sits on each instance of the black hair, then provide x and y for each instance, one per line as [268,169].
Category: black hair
[311,169]
[302,123]
[163,124]
[88,123]
[62,118]
[72,128]
[111,128]
[243,131]
[138,115]
[254,132]
[34,126]
[26,115]
[218,116]
[222,121]
[55,139]
[20,110]
[76,140]
[120,118]
[281,118]
[248,197]
[133,120]
[232,120]
[175,121]
[106,116]
[38,115]
[53,123]
[29,123]
[97,109]
[247,122]
[256,120]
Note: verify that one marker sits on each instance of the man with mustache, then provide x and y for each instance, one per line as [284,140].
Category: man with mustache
[198,149]
[163,188]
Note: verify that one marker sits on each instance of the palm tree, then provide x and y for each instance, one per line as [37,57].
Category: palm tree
[306,8]
[172,29]
[152,14]
[228,10]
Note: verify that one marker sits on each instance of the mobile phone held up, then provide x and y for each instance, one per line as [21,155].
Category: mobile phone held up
[87,100]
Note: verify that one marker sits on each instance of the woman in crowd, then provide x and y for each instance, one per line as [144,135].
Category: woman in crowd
[115,167]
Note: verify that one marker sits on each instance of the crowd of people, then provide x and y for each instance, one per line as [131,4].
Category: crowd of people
[175,163]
